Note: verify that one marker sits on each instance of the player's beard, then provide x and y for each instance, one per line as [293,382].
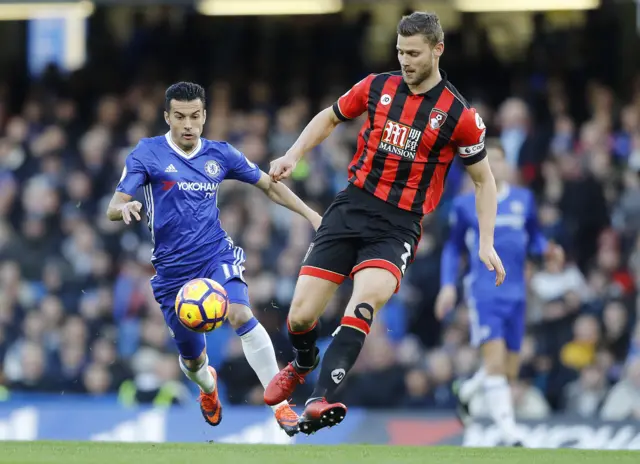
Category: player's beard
[421,75]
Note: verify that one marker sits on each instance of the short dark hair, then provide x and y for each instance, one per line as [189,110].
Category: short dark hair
[183,91]
[420,22]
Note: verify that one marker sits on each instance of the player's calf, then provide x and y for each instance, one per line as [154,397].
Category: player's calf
[513,366]
[309,301]
[282,386]
[199,371]
[372,289]
[260,354]
[494,357]
[497,390]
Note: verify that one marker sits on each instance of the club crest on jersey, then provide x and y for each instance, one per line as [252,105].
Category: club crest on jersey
[437,118]
[212,168]
[400,139]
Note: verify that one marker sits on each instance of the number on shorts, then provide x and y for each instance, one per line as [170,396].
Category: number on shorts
[405,257]
[233,271]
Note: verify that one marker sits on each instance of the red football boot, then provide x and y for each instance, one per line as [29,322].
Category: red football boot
[285,382]
[320,414]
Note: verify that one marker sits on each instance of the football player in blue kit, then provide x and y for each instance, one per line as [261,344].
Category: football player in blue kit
[497,315]
[180,174]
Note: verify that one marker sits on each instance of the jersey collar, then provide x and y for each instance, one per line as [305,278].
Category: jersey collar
[434,92]
[179,150]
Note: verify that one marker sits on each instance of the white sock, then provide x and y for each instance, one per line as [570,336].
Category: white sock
[472,386]
[259,351]
[203,377]
[498,395]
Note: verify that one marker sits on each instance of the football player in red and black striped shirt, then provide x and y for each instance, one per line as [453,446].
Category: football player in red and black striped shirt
[417,122]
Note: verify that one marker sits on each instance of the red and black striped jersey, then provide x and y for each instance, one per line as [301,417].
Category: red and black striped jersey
[408,142]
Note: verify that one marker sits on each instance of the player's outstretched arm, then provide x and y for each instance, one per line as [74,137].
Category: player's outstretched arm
[316,131]
[282,195]
[121,208]
[487,208]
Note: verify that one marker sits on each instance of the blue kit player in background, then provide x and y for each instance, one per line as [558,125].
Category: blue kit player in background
[180,173]
[497,315]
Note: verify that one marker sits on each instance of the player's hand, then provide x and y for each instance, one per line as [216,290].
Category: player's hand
[131,209]
[490,258]
[315,219]
[282,167]
[446,301]
[555,254]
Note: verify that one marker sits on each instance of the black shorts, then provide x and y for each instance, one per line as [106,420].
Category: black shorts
[359,231]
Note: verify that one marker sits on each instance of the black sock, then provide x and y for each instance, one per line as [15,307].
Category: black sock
[340,356]
[304,347]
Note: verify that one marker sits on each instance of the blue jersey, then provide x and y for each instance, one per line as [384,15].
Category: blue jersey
[516,236]
[181,196]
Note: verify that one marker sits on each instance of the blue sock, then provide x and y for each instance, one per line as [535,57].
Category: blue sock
[247,326]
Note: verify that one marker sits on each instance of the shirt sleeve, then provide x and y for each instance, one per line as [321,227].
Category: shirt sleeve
[134,173]
[353,103]
[240,168]
[454,246]
[469,137]
[537,241]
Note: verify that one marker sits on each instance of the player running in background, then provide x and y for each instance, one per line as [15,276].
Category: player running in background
[417,123]
[180,173]
[497,315]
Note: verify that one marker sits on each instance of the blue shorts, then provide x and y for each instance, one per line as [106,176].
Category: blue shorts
[227,271]
[495,319]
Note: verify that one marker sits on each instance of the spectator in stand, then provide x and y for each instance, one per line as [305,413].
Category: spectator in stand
[623,401]
[585,396]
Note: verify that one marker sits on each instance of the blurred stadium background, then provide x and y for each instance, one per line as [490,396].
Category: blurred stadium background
[84,352]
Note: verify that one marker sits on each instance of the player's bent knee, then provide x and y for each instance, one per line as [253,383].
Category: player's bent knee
[301,321]
[239,315]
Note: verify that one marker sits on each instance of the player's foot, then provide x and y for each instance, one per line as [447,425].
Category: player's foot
[462,407]
[210,403]
[320,414]
[287,420]
[285,382]
[518,444]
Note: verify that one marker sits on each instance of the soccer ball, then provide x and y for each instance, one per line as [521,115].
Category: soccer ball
[202,305]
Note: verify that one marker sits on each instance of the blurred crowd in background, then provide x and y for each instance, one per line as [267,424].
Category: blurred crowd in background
[76,310]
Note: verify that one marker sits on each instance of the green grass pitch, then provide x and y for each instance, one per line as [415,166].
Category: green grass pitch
[43,452]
